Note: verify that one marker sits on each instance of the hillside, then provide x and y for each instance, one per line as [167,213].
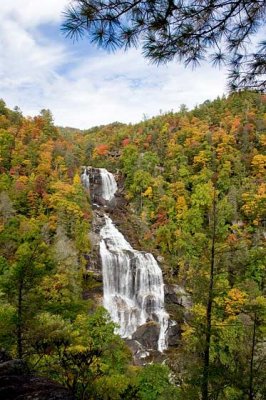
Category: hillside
[194,184]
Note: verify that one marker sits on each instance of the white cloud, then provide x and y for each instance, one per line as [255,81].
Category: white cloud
[31,13]
[90,89]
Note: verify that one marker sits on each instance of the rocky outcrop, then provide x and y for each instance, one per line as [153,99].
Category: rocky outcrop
[175,294]
[16,383]
[177,303]
[174,333]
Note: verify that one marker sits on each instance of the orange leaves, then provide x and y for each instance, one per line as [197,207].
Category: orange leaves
[125,142]
[101,150]
[235,301]
[149,138]
[236,124]
[21,183]
[40,185]
[232,239]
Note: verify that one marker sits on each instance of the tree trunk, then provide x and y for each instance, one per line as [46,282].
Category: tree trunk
[251,365]
[19,322]
[206,357]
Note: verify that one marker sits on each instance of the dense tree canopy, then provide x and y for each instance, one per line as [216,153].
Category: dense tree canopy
[188,30]
[45,318]
[195,186]
[197,182]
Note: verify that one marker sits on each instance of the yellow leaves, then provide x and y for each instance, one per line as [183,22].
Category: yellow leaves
[173,149]
[181,206]
[165,128]
[63,187]
[77,348]
[52,223]
[76,180]
[188,331]
[259,164]
[177,188]
[262,139]
[148,192]
[60,166]
[259,303]
[255,203]
[235,301]
[201,159]
[199,312]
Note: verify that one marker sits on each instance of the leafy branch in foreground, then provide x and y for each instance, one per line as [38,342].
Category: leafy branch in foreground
[187,30]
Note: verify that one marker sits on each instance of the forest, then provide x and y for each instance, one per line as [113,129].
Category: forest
[195,182]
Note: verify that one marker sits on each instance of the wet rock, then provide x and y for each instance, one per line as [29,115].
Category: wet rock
[147,335]
[139,353]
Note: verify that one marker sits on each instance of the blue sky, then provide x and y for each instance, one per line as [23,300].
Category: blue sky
[82,85]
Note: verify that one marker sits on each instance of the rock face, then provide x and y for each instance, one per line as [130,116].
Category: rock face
[174,334]
[16,383]
[178,303]
[175,294]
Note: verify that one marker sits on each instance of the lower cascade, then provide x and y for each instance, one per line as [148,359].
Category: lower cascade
[133,285]
[133,288]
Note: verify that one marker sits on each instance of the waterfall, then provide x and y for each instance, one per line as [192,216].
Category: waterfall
[109,186]
[133,285]
[132,280]
[85,178]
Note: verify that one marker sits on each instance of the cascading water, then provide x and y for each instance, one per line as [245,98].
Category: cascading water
[109,186]
[133,284]
[85,178]
[132,280]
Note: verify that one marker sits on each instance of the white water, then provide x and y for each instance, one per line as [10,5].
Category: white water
[85,179]
[109,186]
[132,280]
[133,285]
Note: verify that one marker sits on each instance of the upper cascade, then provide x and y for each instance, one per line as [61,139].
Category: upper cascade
[109,186]
[85,178]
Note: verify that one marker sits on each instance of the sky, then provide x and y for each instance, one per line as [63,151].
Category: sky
[82,85]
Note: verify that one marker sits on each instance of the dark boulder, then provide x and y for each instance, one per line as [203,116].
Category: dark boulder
[147,335]
[16,383]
